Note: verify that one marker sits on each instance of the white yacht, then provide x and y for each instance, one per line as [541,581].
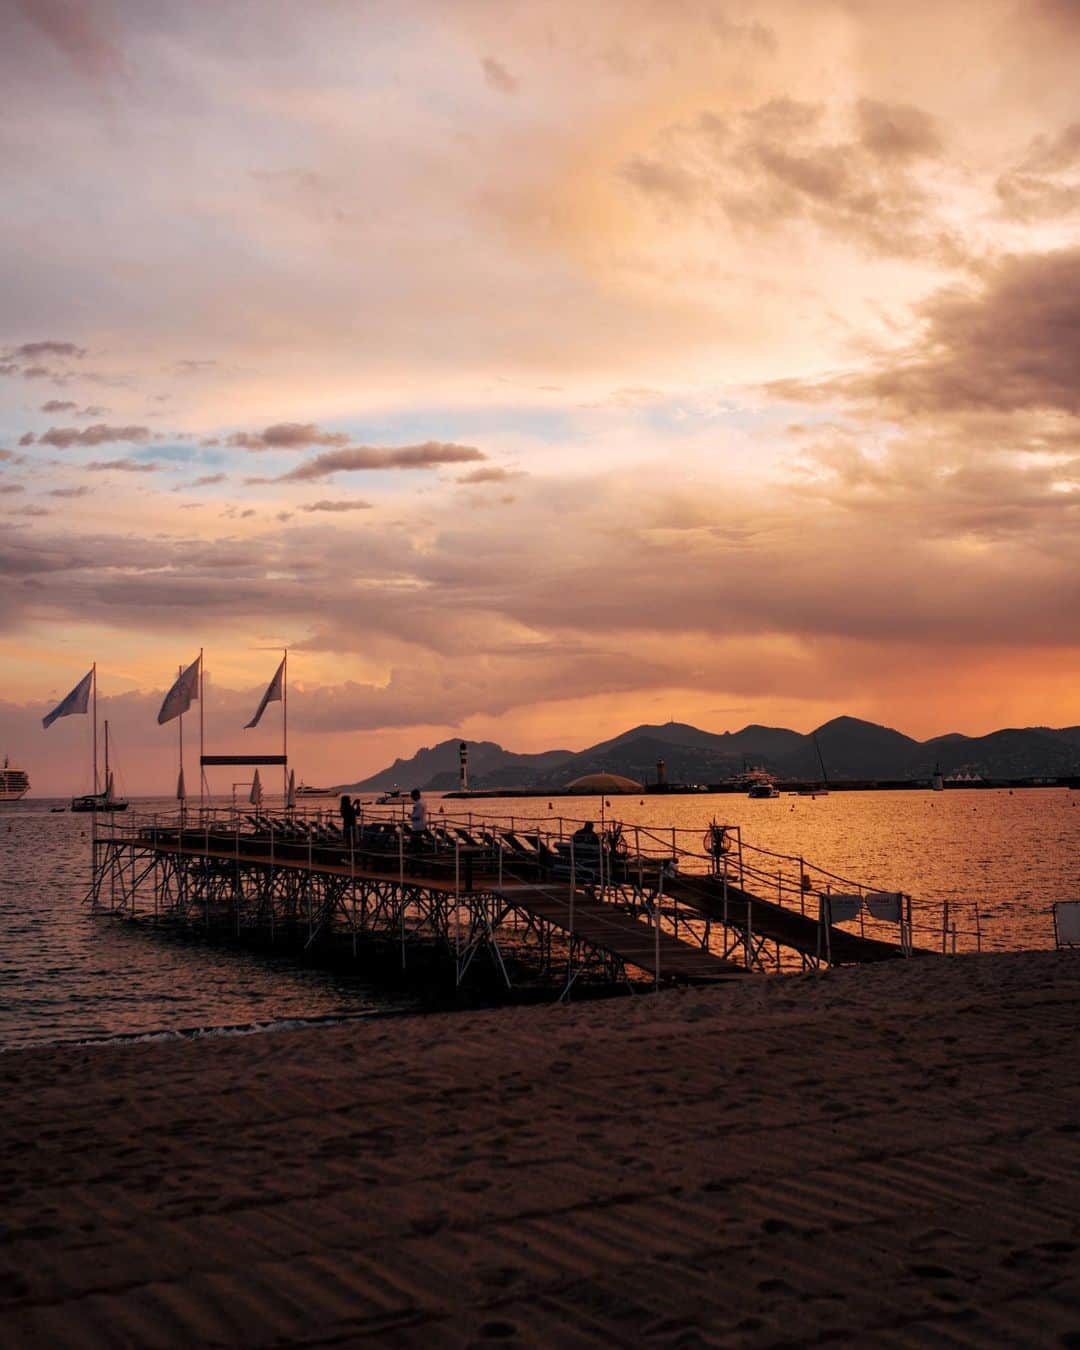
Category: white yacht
[14,783]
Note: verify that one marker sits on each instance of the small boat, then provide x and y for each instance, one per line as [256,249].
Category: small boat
[303,790]
[394,795]
[101,801]
[763,789]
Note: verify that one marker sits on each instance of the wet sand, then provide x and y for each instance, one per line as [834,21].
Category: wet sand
[884,1156]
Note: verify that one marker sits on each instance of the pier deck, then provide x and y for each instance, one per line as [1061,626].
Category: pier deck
[639,904]
[623,939]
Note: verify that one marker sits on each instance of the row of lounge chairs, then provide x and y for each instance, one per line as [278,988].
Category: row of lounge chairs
[439,849]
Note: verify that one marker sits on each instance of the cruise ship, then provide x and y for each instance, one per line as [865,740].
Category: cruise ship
[14,783]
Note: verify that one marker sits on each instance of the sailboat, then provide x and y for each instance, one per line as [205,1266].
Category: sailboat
[821,789]
[101,801]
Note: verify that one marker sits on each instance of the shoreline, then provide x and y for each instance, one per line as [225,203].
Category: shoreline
[882,1154]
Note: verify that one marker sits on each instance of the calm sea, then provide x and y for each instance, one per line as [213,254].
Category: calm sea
[66,975]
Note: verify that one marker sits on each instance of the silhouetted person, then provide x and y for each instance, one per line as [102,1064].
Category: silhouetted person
[587,856]
[417,821]
[348,819]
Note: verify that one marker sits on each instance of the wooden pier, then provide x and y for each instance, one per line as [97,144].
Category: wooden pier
[517,897]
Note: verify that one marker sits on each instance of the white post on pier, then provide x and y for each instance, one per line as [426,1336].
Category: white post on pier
[656,927]
[180,730]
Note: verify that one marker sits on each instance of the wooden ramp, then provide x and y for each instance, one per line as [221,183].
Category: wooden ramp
[777,923]
[617,932]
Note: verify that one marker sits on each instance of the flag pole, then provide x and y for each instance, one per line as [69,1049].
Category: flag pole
[285,728]
[180,719]
[202,735]
[93,669]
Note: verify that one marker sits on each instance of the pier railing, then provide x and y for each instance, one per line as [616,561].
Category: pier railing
[628,862]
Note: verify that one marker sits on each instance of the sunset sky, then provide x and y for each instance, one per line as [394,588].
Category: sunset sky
[533,370]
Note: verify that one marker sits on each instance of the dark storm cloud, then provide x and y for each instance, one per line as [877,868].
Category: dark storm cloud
[361,458]
[498,77]
[493,474]
[287,436]
[1013,346]
[775,165]
[896,130]
[80,29]
[99,434]
[1038,188]
[659,179]
[325,505]
[33,351]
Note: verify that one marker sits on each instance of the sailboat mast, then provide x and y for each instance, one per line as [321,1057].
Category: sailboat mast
[824,775]
[180,720]
[93,685]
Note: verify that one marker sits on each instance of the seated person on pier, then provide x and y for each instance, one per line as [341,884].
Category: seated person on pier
[587,854]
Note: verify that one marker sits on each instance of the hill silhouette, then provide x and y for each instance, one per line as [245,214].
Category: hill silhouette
[850,749]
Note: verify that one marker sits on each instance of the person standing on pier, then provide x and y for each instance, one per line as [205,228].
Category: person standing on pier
[418,818]
[348,819]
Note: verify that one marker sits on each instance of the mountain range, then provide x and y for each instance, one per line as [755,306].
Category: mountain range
[849,749]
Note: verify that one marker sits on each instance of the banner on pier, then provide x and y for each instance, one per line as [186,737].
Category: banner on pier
[885,905]
[842,908]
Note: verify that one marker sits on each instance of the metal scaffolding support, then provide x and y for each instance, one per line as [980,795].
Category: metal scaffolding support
[315,910]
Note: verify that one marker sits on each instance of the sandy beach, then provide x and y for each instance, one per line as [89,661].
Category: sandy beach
[884,1156]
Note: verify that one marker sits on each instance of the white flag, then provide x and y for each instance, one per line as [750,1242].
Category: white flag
[183,693]
[272,695]
[76,702]
[255,796]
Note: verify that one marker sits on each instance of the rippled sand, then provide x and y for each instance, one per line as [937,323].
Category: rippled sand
[882,1156]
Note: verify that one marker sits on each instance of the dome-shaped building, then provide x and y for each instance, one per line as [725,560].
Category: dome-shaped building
[602,784]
